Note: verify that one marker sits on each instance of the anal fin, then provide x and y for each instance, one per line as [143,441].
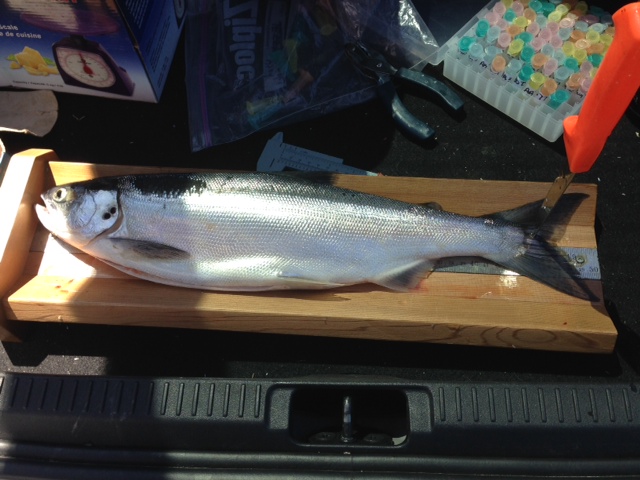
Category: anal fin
[405,278]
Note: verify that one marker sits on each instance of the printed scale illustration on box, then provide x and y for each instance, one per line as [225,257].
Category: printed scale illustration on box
[89,47]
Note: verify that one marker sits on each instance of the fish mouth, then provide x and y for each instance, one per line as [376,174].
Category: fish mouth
[41,210]
[42,207]
[47,218]
[44,215]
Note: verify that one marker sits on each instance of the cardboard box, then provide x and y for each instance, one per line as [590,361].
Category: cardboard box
[108,48]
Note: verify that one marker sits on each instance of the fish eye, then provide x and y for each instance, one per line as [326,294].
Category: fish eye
[60,194]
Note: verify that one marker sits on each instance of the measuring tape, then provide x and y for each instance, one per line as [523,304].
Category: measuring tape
[584,260]
[278,156]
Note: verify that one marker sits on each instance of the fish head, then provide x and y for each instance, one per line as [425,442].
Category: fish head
[78,213]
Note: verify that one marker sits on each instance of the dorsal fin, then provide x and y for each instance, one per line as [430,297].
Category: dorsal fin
[528,215]
[323,178]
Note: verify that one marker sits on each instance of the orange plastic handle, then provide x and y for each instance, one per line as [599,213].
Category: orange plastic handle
[610,94]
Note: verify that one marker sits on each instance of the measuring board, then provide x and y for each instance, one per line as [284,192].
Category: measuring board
[40,283]
[278,156]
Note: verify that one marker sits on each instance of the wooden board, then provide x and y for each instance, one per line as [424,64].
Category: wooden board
[56,283]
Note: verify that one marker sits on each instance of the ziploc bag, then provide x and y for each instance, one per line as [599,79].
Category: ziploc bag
[255,64]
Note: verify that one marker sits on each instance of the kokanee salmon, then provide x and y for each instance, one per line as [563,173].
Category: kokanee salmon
[259,231]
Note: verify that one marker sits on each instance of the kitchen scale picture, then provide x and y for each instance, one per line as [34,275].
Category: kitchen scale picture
[82,62]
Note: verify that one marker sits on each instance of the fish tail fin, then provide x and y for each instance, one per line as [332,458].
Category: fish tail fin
[547,264]
[539,259]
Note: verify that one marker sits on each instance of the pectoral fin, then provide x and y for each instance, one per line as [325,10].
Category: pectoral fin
[147,250]
[407,277]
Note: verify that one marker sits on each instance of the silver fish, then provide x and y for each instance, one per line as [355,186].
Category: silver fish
[258,231]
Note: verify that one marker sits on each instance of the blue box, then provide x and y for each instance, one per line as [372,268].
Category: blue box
[109,48]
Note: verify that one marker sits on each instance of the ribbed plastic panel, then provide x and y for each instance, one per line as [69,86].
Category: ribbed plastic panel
[441,419]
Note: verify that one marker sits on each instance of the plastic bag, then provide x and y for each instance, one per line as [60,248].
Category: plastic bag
[253,64]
